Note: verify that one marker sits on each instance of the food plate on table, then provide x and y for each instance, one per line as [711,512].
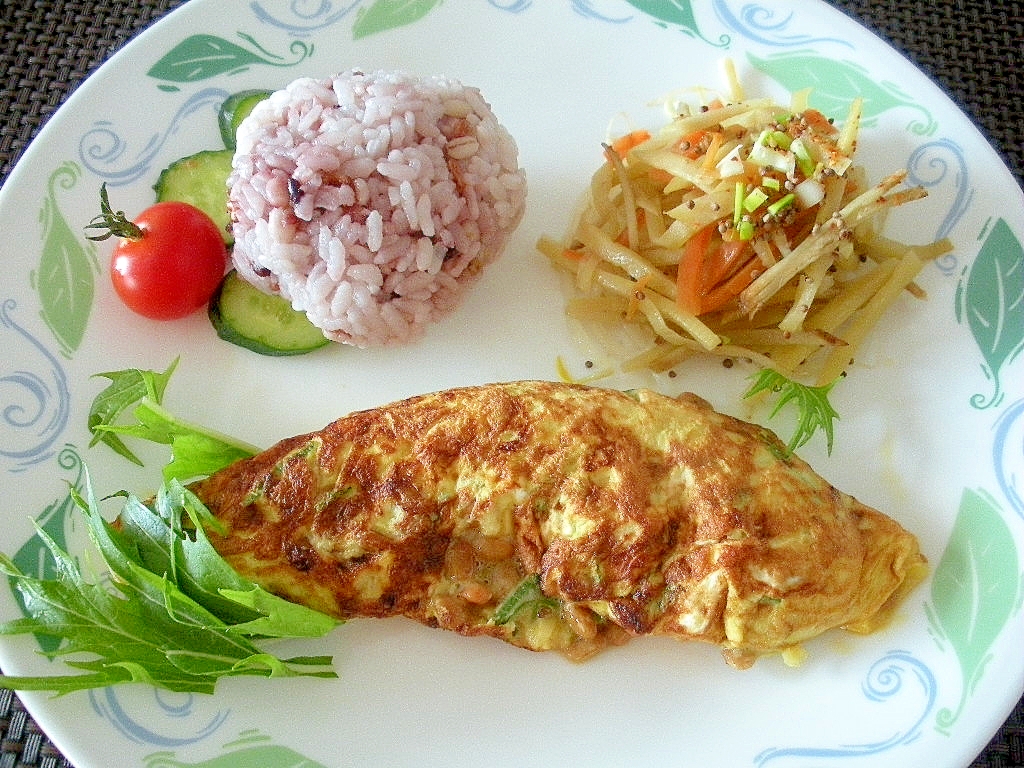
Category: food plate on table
[930,429]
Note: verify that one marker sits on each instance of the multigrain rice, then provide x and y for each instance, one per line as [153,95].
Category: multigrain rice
[371,201]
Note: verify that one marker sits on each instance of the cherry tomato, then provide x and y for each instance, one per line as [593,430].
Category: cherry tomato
[169,261]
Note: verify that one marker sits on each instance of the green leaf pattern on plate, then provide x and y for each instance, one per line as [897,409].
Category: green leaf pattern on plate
[990,301]
[383,15]
[251,751]
[65,279]
[835,84]
[201,56]
[975,590]
[676,13]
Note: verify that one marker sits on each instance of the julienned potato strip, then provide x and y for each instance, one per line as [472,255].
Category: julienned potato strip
[741,229]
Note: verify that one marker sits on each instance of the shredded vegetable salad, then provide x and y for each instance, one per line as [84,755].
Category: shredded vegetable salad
[742,229]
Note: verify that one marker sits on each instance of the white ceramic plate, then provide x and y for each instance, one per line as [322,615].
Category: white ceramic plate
[932,427]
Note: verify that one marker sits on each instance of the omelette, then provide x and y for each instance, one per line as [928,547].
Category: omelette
[563,517]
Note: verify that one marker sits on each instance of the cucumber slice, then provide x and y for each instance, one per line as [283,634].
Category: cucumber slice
[246,316]
[234,110]
[200,180]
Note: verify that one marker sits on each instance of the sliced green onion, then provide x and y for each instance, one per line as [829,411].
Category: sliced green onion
[772,183]
[745,229]
[737,205]
[780,139]
[755,200]
[781,204]
[803,156]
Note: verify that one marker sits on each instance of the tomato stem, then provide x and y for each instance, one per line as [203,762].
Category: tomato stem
[112,223]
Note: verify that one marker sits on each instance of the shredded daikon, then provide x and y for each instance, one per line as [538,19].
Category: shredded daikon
[741,228]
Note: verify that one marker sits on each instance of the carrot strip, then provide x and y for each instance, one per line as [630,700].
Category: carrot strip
[717,140]
[691,144]
[732,287]
[690,270]
[623,144]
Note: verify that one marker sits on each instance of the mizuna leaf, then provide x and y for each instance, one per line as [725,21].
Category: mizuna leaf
[126,388]
[138,626]
[169,540]
[974,591]
[990,300]
[835,84]
[814,411]
[195,451]
[389,14]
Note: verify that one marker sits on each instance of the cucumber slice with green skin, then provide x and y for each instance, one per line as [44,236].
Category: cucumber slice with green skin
[246,316]
[234,110]
[200,180]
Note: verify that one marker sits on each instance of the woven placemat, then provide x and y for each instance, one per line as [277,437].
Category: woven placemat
[971,48]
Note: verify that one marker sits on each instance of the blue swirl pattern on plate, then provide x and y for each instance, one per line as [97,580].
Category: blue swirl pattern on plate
[34,402]
[766,25]
[898,677]
[106,154]
[181,719]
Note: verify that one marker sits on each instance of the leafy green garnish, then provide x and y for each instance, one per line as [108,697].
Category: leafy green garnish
[170,612]
[126,388]
[173,614]
[196,451]
[814,409]
[526,594]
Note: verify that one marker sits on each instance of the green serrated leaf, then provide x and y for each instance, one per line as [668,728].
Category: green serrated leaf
[814,411]
[139,626]
[195,451]
[126,388]
[160,540]
[389,14]
[277,617]
[33,557]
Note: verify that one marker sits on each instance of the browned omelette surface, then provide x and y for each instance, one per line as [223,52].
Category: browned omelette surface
[557,516]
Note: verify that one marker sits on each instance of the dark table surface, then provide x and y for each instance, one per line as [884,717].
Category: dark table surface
[971,48]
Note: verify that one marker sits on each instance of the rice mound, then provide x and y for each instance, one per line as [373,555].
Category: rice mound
[371,201]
